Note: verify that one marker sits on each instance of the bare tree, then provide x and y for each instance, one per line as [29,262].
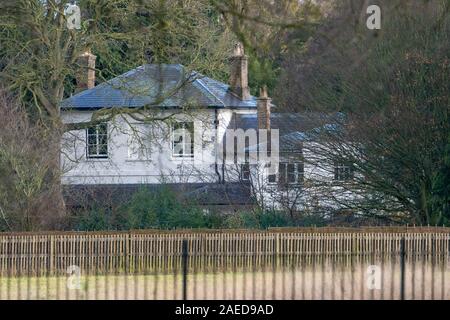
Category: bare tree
[29,185]
[391,86]
[40,54]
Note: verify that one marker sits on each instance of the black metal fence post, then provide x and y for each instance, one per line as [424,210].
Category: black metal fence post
[185,267]
[402,267]
[274,266]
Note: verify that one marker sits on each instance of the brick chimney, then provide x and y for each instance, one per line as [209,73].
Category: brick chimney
[86,71]
[239,73]
[263,110]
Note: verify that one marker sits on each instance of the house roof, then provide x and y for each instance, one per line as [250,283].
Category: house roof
[158,85]
[294,128]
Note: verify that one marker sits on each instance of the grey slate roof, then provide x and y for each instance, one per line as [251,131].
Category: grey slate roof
[158,85]
[294,128]
[285,122]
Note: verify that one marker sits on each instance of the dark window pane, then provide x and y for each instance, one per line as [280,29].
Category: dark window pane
[282,173]
[92,139]
[102,139]
[92,131]
[291,173]
[92,149]
[300,172]
[103,149]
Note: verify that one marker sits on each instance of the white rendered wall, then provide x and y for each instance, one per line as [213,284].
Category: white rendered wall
[122,168]
[318,190]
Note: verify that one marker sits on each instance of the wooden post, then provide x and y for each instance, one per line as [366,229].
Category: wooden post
[51,254]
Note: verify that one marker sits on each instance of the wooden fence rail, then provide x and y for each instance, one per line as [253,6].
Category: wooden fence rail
[41,254]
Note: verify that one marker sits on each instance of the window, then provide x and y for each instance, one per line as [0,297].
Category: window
[245,172]
[343,172]
[288,173]
[272,178]
[97,142]
[183,140]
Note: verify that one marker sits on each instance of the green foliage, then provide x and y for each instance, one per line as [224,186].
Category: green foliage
[267,29]
[140,212]
[161,209]
[270,219]
[97,219]
[262,71]
[274,219]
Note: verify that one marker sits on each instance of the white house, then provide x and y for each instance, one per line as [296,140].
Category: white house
[165,124]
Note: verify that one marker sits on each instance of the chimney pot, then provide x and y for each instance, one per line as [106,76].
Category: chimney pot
[238,50]
[263,93]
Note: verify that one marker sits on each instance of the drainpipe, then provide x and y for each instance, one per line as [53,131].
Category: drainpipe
[216,126]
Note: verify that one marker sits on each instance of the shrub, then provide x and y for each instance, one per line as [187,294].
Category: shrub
[97,219]
[273,219]
[139,212]
[233,221]
[162,209]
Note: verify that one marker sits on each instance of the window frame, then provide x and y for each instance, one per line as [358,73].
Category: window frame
[343,172]
[298,173]
[98,153]
[184,155]
[245,170]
